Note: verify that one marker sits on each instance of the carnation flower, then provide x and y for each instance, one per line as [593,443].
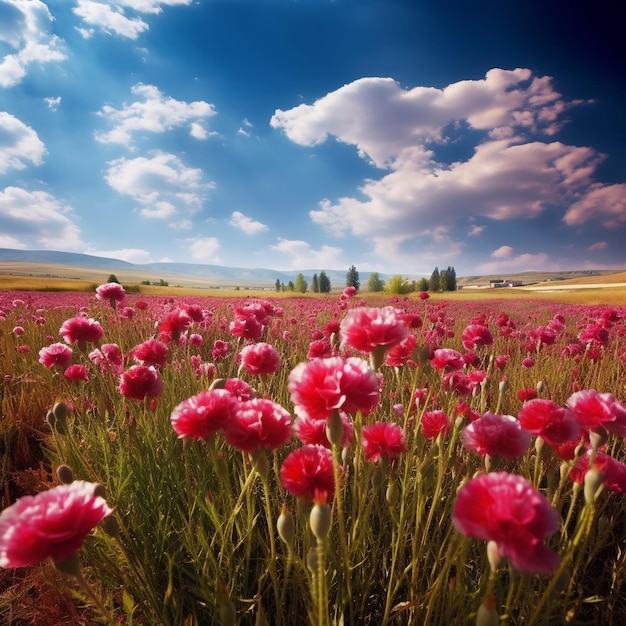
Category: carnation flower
[447,359]
[506,509]
[476,335]
[593,410]
[175,324]
[308,473]
[383,440]
[111,292]
[55,355]
[240,388]
[613,472]
[259,359]
[151,352]
[140,382]
[204,414]
[400,354]
[313,431]
[76,372]
[52,524]
[368,328]
[108,357]
[496,435]
[433,423]
[258,424]
[549,421]
[81,331]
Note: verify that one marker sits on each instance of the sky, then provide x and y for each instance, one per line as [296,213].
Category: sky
[393,135]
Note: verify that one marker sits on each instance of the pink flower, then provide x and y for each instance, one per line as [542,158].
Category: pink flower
[108,357]
[447,359]
[55,355]
[220,349]
[18,331]
[433,423]
[321,386]
[258,424]
[476,335]
[76,372]
[246,327]
[383,440]
[111,292]
[52,524]
[496,435]
[401,353]
[313,431]
[239,388]
[319,349]
[259,359]
[204,414]
[81,331]
[151,352]
[140,382]
[593,410]
[527,393]
[614,472]
[175,324]
[423,295]
[308,473]
[549,421]
[506,509]
[368,328]
[500,361]
[528,362]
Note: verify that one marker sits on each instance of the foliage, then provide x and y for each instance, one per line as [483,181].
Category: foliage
[398,285]
[197,521]
[434,284]
[352,278]
[315,284]
[301,284]
[375,283]
[324,282]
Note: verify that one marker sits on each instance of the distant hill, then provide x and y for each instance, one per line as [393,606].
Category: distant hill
[535,276]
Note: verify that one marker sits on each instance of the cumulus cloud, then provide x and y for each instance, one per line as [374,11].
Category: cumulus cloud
[303,256]
[160,183]
[18,143]
[600,245]
[503,252]
[153,112]
[203,249]
[520,263]
[109,16]
[516,170]
[25,27]
[37,219]
[53,103]
[246,224]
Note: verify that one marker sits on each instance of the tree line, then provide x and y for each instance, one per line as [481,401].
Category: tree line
[319,284]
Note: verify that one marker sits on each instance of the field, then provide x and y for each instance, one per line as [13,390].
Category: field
[240,458]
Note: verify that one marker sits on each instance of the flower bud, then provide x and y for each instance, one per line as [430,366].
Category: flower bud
[260,463]
[65,474]
[503,387]
[598,437]
[319,521]
[311,560]
[334,428]
[493,556]
[593,483]
[60,411]
[540,387]
[392,494]
[286,526]
[487,614]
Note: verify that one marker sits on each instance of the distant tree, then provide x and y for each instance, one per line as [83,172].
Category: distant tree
[277,285]
[282,287]
[452,284]
[444,281]
[422,284]
[352,278]
[324,282]
[301,285]
[398,285]
[375,283]
[112,279]
[315,284]
[290,286]
[433,283]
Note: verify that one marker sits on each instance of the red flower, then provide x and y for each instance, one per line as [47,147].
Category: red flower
[76,372]
[176,323]
[527,393]
[321,386]
[258,424]
[383,439]
[496,435]
[308,473]
[140,382]
[108,357]
[246,327]
[399,355]
[81,330]
[423,295]
[614,472]
[506,509]
[53,524]
[476,335]
[111,292]
[202,415]
[433,423]
[259,359]
[313,431]
[447,359]
[593,410]
[549,421]
[239,388]
[220,350]
[151,352]
[368,328]
[55,355]
[319,349]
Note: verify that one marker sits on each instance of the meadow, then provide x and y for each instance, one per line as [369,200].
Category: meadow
[178,459]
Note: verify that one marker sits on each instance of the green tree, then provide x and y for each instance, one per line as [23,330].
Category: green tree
[452,285]
[324,282]
[375,283]
[352,278]
[444,281]
[433,283]
[398,285]
[277,285]
[422,284]
[301,285]
[290,286]
[112,279]
[315,284]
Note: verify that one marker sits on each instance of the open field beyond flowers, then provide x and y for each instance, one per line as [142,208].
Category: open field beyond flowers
[188,460]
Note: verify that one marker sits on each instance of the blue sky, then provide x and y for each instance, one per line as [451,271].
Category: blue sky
[395,135]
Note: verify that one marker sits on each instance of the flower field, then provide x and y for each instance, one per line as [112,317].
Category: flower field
[324,461]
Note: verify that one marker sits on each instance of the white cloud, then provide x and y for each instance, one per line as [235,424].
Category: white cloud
[25,27]
[503,252]
[7,241]
[246,224]
[303,256]
[475,230]
[161,184]
[153,112]
[18,143]
[131,255]
[510,175]
[519,263]
[109,16]
[53,103]
[600,245]
[203,249]
[37,219]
